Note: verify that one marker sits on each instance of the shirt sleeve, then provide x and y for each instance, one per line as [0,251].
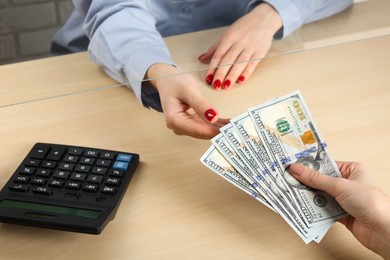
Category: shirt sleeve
[124,42]
[295,13]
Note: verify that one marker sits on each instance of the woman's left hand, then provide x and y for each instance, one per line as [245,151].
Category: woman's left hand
[234,58]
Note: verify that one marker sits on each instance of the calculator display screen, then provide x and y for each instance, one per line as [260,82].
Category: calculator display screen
[50,208]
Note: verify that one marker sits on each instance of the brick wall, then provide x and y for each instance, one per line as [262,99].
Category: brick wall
[27,27]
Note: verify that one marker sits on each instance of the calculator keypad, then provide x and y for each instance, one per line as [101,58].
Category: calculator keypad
[57,169]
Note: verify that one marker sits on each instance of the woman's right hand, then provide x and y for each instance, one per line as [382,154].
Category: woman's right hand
[185,109]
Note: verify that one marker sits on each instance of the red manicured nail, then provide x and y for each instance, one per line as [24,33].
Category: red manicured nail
[217,84]
[210,114]
[226,84]
[241,78]
[201,56]
[209,79]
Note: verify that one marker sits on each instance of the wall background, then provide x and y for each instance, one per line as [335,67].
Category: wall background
[27,27]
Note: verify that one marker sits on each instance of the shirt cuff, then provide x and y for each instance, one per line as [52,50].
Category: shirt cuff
[290,15]
[135,69]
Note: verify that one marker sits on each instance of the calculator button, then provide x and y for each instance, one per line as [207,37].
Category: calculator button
[124,157]
[107,155]
[38,181]
[19,188]
[108,190]
[78,176]
[61,175]
[42,190]
[39,153]
[87,160]
[103,163]
[116,173]
[95,179]
[75,151]
[113,181]
[56,154]
[91,153]
[90,187]
[27,170]
[120,165]
[99,170]
[71,158]
[56,183]
[83,168]
[43,172]
[22,179]
[66,166]
[32,162]
[71,185]
[49,164]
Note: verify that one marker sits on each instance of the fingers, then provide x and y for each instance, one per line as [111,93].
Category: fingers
[248,71]
[189,113]
[183,120]
[234,67]
[187,123]
[186,111]
[315,179]
[232,63]
[191,126]
[350,170]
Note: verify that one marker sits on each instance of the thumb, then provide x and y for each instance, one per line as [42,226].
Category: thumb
[314,179]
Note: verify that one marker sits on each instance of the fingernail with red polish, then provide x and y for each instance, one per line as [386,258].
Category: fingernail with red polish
[209,79]
[210,114]
[226,84]
[241,78]
[217,84]
[201,56]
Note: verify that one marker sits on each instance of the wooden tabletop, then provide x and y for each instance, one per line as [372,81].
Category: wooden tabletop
[174,207]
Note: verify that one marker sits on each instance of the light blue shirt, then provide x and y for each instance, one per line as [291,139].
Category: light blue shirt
[125,37]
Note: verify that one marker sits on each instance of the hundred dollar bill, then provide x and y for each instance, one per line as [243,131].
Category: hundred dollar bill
[290,134]
[257,174]
[231,135]
[218,164]
[214,160]
[233,158]
[227,151]
[247,131]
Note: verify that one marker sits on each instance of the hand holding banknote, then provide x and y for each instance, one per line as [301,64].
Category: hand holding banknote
[275,153]
[356,192]
[253,151]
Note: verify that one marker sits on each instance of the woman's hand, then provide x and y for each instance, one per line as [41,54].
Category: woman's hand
[248,39]
[186,111]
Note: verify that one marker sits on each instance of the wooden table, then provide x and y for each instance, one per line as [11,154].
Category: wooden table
[175,208]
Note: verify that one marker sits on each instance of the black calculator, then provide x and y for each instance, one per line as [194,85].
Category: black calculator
[68,188]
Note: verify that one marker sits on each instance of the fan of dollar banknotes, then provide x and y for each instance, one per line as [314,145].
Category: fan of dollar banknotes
[253,151]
